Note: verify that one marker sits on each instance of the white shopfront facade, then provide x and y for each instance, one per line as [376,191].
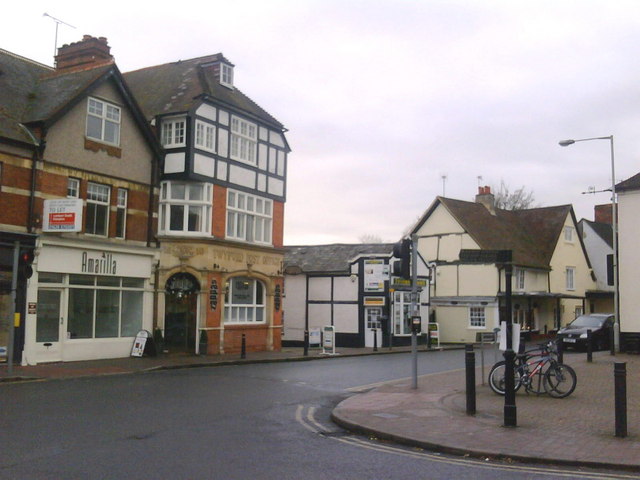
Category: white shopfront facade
[87,300]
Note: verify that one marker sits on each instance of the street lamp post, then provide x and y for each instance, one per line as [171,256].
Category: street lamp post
[614,224]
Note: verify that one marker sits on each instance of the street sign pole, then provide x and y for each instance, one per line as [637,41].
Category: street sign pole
[510,411]
[415,312]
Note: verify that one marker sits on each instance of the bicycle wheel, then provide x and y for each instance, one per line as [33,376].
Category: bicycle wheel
[536,383]
[497,378]
[560,380]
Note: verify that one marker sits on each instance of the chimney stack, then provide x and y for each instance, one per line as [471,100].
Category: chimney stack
[87,53]
[486,198]
[603,213]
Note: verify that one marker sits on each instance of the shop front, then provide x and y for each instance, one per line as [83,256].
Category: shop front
[217,297]
[87,300]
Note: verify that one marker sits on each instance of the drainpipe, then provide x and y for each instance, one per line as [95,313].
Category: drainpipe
[38,148]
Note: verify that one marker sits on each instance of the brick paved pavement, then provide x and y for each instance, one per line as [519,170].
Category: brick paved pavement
[577,430]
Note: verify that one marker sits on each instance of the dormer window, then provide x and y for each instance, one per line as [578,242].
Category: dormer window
[226,75]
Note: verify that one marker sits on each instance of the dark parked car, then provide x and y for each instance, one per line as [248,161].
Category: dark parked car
[575,334]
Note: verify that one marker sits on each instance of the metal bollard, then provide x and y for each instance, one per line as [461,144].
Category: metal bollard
[589,346]
[470,366]
[375,339]
[306,343]
[612,342]
[620,380]
[243,347]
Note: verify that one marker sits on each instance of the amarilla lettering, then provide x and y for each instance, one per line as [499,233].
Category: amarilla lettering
[105,264]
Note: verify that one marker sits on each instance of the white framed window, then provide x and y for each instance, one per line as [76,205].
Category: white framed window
[185,208]
[226,75]
[519,278]
[244,301]
[571,278]
[568,234]
[97,213]
[205,136]
[249,218]
[121,213]
[73,188]
[477,317]
[173,132]
[243,140]
[103,121]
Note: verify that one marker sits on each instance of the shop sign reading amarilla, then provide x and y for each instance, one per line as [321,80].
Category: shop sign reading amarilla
[99,263]
[62,215]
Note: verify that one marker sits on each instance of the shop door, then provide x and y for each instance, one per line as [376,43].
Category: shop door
[180,323]
[372,327]
[49,325]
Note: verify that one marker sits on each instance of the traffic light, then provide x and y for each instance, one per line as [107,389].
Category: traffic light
[402,251]
[25,269]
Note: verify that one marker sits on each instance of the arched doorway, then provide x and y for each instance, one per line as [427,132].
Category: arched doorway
[181,307]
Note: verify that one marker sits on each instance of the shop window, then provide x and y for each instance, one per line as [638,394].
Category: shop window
[402,313]
[97,212]
[104,307]
[244,301]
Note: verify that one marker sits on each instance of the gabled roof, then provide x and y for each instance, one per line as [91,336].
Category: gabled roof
[334,258]
[178,86]
[532,234]
[31,93]
[632,183]
[603,230]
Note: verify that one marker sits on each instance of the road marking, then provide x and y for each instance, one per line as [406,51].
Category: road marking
[309,422]
[369,386]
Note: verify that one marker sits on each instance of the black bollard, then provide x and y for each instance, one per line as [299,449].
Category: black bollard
[560,347]
[243,348]
[306,343]
[470,365]
[620,380]
[589,346]
[612,342]
[375,339]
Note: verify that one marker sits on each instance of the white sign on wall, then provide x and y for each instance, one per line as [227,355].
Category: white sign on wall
[376,272]
[62,215]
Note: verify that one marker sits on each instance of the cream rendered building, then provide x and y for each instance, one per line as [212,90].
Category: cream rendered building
[551,270]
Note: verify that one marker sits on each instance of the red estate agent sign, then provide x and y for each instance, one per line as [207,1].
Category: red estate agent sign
[62,215]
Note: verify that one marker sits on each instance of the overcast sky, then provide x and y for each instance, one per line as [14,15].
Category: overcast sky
[383,98]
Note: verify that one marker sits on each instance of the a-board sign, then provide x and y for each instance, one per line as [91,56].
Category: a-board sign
[139,343]
[314,337]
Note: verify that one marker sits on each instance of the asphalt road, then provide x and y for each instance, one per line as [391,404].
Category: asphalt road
[261,421]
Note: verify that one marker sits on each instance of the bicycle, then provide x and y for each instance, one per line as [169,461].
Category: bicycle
[539,371]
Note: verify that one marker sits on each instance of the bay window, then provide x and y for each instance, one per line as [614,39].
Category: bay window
[205,136]
[185,208]
[243,140]
[173,132]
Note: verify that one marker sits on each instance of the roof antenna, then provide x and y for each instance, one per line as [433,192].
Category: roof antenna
[58,22]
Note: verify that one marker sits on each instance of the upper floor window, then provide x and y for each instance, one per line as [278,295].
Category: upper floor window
[185,208]
[173,132]
[103,121]
[121,213]
[249,218]
[73,188]
[568,234]
[97,214]
[243,140]
[205,136]
[571,278]
[226,75]
[519,278]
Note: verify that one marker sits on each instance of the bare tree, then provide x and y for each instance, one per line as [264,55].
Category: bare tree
[370,238]
[519,199]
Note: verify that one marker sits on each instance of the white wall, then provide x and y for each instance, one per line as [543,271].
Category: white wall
[629,260]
